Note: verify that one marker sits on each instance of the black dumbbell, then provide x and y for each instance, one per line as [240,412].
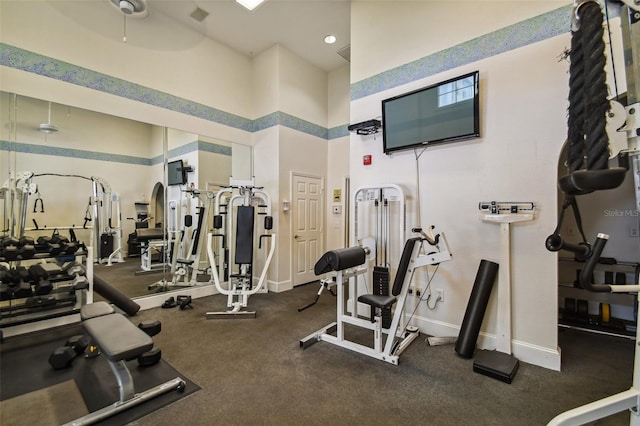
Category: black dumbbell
[45,244]
[20,290]
[10,241]
[43,287]
[62,241]
[151,327]
[25,240]
[27,251]
[149,358]
[63,356]
[5,292]
[79,343]
[9,252]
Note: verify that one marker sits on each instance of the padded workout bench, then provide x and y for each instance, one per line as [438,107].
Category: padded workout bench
[119,340]
[150,239]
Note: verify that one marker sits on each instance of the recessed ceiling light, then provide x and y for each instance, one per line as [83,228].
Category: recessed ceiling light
[250,4]
[330,39]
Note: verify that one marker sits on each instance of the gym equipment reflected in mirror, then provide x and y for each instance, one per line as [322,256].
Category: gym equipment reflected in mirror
[99,180]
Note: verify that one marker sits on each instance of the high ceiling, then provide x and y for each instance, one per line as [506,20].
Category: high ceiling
[298,25]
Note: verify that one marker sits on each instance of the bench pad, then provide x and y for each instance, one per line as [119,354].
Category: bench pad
[117,337]
[377,300]
[96,309]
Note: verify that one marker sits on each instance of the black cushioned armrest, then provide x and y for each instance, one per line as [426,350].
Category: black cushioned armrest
[337,260]
[148,234]
[117,337]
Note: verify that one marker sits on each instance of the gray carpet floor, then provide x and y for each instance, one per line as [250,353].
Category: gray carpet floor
[252,371]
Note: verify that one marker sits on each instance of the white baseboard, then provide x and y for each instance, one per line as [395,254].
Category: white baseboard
[156,300]
[525,352]
[278,287]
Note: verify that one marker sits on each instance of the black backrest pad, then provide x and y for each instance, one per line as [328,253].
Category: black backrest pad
[244,235]
[403,265]
[194,250]
[339,259]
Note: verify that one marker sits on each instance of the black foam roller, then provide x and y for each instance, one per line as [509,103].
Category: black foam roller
[114,296]
[473,316]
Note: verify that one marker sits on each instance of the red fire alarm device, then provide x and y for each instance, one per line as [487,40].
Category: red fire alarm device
[366,160]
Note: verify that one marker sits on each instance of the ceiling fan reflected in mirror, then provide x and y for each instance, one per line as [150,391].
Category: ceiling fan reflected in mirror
[132,8]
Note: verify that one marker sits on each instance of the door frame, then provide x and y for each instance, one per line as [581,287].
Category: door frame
[322,216]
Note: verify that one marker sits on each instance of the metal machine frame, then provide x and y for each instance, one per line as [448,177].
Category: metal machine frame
[629,399]
[388,349]
[238,193]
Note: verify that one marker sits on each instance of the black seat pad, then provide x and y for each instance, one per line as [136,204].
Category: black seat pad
[377,300]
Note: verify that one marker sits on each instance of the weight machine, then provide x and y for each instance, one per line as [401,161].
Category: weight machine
[103,212]
[187,253]
[350,263]
[588,170]
[237,209]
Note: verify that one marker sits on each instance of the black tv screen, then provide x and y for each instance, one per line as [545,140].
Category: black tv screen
[176,173]
[444,112]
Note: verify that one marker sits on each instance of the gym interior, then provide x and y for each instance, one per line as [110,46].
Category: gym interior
[437,225]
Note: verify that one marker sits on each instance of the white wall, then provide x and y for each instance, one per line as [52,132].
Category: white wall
[523,112]
[338,158]
[390,33]
[158,55]
[89,34]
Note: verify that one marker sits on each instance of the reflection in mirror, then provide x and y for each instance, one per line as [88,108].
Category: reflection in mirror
[100,179]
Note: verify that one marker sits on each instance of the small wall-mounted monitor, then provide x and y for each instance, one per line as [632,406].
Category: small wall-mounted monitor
[176,173]
[444,112]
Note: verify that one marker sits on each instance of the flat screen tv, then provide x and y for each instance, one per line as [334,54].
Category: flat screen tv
[444,112]
[176,173]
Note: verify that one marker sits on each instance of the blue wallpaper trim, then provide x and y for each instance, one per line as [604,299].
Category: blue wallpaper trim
[530,31]
[25,60]
[280,118]
[214,148]
[518,35]
[27,148]
[117,158]
[339,132]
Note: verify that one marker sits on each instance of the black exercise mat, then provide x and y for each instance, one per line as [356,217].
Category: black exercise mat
[25,368]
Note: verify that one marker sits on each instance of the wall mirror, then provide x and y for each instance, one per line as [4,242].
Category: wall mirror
[101,180]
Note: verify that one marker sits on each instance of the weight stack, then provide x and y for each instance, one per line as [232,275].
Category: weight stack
[381,287]
[473,316]
[106,245]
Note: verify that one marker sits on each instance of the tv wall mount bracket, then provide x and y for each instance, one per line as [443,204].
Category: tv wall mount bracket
[368,127]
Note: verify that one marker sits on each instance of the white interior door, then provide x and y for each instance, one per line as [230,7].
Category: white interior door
[307,227]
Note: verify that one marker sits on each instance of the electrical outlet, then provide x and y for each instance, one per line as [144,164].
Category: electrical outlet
[418,292]
[440,294]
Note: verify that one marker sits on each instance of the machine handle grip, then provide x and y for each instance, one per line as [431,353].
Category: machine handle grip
[260,239]
[556,243]
[590,264]
[224,238]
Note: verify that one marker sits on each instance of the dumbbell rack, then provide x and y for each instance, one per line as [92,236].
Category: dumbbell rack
[47,299]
